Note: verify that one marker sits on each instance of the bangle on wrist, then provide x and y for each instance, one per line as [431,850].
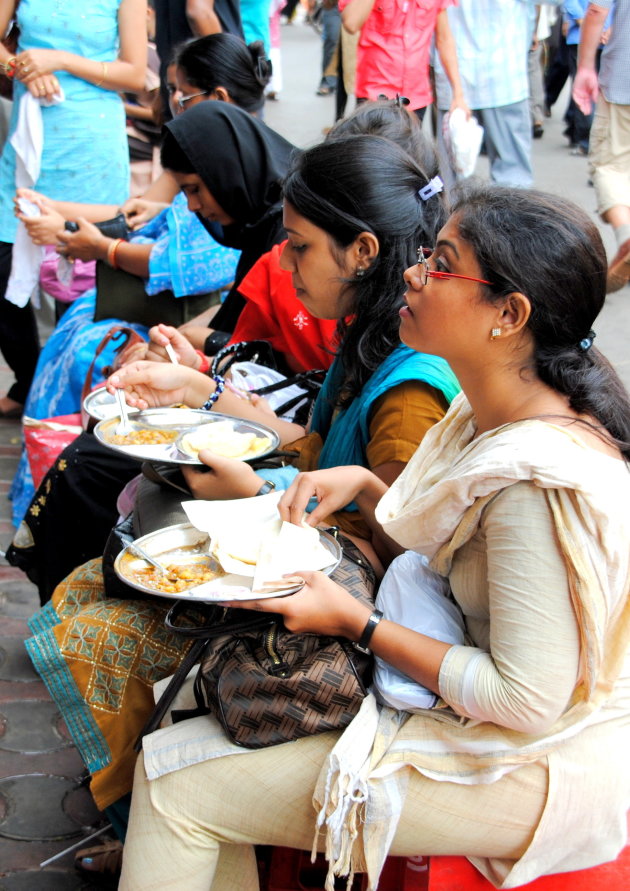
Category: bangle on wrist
[204,367]
[8,67]
[220,387]
[103,74]
[112,247]
[267,487]
[362,644]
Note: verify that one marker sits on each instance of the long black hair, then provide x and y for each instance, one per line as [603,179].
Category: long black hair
[224,60]
[548,249]
[355,184]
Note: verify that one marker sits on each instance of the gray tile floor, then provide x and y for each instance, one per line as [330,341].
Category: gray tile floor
[43,808]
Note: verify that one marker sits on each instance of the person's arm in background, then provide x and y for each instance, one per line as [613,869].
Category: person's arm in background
[355,13]
[202,18]
[137,211]
[447,51]
[127,72]
[586,84]
[89,243]
[7,11]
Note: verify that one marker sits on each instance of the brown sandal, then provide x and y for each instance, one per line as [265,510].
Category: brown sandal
[618,274]
[104,860]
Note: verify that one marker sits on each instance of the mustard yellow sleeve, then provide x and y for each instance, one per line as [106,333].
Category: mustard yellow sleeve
[399,420]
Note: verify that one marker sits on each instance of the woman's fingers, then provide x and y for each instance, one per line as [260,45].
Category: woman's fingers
[292,506]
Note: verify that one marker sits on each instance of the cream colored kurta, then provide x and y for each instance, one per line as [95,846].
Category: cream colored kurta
[532,528]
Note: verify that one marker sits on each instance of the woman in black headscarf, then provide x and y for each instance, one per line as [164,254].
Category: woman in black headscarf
[230,167]
[218,149]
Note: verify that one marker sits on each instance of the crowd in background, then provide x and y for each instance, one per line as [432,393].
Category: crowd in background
[141,187]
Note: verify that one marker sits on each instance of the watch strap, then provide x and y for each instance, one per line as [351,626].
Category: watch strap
[266,488]
[363,642]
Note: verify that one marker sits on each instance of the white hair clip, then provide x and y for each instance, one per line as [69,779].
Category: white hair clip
[432,188]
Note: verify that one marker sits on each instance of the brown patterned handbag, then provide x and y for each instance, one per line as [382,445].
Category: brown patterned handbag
[267,685]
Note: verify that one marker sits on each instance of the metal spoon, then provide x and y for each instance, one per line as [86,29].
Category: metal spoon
[140,552]
[123,428]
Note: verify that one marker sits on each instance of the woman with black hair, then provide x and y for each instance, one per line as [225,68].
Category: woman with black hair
[517,501]
[345,243]
[243,169]
[223,65]
[379,400]
[237,163]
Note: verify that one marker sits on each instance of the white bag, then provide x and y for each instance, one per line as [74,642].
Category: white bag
[249,376]
[462,138]
[414,596]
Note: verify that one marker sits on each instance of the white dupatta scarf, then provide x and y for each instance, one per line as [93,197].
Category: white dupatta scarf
[434,508]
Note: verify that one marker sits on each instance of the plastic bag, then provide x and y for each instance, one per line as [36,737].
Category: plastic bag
[51,279]
[248,376]
[45,440]
[462,138]
[413,595]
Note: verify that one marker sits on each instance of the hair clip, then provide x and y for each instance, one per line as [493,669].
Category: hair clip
[264,68]
[432,188]
[399,101]
[587,342]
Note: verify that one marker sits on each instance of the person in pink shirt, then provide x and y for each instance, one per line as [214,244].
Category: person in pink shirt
[394,47]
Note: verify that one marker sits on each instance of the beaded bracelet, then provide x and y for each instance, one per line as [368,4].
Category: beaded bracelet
[204,367]
[220,387]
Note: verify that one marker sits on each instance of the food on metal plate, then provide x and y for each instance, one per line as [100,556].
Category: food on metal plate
[222,439]
[179,576]
[144,436]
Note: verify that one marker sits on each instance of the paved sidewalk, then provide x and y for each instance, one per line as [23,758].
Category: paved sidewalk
[43,808]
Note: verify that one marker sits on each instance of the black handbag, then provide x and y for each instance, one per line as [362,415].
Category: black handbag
[121,295]
[266,685]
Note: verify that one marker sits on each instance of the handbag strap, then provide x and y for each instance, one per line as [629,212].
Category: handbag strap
[162,705]
[245,351]
[116,332]
[162,475]
[221,620]
[309,380]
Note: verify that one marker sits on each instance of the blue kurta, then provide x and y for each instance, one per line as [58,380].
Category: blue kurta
[85,156]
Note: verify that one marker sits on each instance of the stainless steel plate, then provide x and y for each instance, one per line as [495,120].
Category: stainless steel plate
[177,421]
[100,405]
[183,543]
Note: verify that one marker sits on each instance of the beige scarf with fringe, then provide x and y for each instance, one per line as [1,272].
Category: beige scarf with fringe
[434,508]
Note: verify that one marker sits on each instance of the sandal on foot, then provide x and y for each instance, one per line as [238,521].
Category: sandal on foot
[104,861]
[618,274]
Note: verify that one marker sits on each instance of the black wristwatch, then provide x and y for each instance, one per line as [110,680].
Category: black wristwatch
[362,643]
[266,488]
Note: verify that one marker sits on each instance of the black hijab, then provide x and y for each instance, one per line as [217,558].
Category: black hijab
[242,162]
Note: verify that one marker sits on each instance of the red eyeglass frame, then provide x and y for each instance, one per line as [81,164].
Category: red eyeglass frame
[425,253]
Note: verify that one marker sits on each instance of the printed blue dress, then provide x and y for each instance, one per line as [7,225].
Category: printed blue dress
[184,258]
[85,155]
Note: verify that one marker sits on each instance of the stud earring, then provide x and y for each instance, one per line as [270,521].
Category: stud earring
[360,272]
[496,332]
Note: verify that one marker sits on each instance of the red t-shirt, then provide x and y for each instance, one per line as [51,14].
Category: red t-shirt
[273,313]
[393,51]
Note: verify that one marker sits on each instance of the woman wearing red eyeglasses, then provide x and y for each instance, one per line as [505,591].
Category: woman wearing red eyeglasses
[516,505]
